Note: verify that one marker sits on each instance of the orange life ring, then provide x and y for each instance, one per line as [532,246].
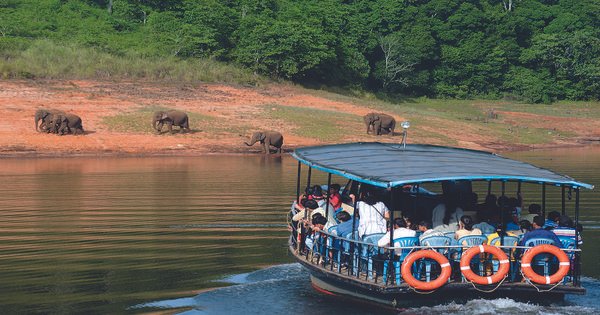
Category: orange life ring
[424,285]
[465,264]
[563,268]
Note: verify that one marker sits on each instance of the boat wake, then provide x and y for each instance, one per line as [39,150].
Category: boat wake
[286,288]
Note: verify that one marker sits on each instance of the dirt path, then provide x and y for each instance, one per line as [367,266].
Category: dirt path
[227,106]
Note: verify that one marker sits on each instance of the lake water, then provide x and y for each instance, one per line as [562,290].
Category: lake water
[197,235]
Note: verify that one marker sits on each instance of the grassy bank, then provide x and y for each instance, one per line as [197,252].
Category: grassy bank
[43,59]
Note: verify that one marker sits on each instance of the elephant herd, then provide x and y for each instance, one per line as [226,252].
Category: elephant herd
[57,122]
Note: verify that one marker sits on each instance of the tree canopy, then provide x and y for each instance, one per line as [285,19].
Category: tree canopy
[534,50]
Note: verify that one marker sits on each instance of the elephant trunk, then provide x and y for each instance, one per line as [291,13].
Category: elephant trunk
[250,144]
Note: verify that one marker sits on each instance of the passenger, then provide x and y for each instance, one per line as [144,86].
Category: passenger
[489,205]
[497,234]
[502,201]
[566,228]
[524,227]
[509,219]
[400,230]
[484,225]
[317,195]
[539,231]
[515,208]
[345,227]
[317,224]
[308,205]
[552,220]
[426,228]
[335,199]
[372,213]
[533,209]
[465,227]
[445,216]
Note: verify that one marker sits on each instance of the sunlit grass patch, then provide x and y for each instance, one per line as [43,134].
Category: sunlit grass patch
[324,125]
[140,121]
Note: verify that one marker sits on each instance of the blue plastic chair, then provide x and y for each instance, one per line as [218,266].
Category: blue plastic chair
[449,234]
[433,241]
[467,242]
[568,243]
[508,241]
[400,242]
[542,259]
[367,252]
[346,251]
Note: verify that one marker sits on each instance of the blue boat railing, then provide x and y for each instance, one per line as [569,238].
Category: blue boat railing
[368,262]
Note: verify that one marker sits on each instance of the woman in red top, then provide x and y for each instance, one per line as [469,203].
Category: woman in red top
[335,199]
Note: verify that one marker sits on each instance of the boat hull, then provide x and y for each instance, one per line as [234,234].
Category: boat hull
[343,286]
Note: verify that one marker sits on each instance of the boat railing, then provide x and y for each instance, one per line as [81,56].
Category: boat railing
[370,263]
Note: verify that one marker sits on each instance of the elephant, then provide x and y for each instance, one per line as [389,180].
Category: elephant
[267,139]
[67,123]
[45,115]
[172,117]
[381,123]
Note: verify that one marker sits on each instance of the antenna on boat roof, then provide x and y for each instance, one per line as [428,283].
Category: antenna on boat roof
[405,125]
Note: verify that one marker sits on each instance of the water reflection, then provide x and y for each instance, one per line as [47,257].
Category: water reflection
[86,235]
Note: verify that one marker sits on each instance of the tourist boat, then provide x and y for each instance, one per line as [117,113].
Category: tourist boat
[354,267]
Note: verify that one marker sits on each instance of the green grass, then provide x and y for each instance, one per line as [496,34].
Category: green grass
[323,125]
[48,60]
[140,121]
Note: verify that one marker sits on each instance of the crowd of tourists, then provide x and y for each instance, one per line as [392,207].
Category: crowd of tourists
[495,217]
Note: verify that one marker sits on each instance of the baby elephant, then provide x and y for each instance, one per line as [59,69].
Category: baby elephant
[67,123]
[267,139]
[172,117]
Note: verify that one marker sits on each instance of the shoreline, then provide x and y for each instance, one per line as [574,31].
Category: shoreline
[213,152]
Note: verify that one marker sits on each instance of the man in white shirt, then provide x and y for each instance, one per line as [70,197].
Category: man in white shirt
[400,230]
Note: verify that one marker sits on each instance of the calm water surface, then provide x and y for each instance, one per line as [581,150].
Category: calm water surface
[137,235]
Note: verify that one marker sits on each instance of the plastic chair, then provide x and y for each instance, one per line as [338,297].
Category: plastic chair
[467,242]
[568,243]
[398,259]
[449,234]
[433,241]
[346,250]
[508,241]
[543,260]
[367,252]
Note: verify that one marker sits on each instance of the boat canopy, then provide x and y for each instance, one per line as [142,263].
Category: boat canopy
[391,164]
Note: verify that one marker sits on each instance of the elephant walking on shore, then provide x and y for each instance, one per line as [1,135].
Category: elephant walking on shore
[172,117]
[45,116]
[381,123]
[267,139]
[66,123]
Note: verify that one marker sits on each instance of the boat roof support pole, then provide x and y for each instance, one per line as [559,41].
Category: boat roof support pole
[519,197]
[327,205]
[503,188]
[576,278]
[356,197]
[307,186]
[544,199]
[392,208]
[489,187]
[563,205]
[298,181]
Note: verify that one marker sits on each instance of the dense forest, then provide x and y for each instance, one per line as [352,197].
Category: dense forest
[531,50]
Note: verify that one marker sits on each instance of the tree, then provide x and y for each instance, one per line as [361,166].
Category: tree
[395,64]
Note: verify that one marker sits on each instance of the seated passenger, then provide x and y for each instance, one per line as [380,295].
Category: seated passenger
[539,231]
[400,230]
[335,199]
[465,227]
[425,227]
[498,233]
[317,224]
[552,220]
[566,228]
[524,227]
[373,214]
[311,206]
[345,227]
[445,216]
[533,209]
